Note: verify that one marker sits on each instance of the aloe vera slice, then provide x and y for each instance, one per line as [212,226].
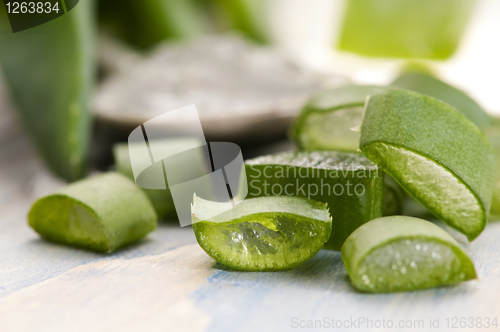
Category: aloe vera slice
[404,28]
[49,72]
[438,156]
[161,198]
[399,253]
[326,120]
[431,86]
[262,234]
[349,183]
[101,213]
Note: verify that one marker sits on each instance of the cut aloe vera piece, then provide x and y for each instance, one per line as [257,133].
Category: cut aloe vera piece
[49,72]
[101,213]
[325,122]
[404,28]
[399,253]
[436,154]
[161,198]
[262,234]
[431,86]
[349,183]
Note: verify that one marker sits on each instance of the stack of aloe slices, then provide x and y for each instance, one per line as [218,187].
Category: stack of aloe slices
[439,157]
[326,123]
[433,152]
[334,193]
[348,182]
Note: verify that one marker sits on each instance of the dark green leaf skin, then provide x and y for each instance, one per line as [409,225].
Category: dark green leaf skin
[432,130]
[348,211]
[49,71]
[431,86]
[101,213]
[386,231]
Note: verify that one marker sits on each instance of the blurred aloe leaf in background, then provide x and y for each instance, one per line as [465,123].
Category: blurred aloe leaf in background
[245,16]
[49,73]
[144,23]
[427,29]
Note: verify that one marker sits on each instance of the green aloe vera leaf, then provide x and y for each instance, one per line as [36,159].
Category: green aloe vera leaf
[349,183]
[431,86]
[262,234]
[160,198]
[145,23]
[326,120]
[399,253]
[404,28]
[49,73]
[101,213]
[435,153]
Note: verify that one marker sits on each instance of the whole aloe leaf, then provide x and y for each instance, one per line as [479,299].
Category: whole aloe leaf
[49,72]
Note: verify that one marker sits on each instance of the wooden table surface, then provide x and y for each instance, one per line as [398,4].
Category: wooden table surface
[167,283]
